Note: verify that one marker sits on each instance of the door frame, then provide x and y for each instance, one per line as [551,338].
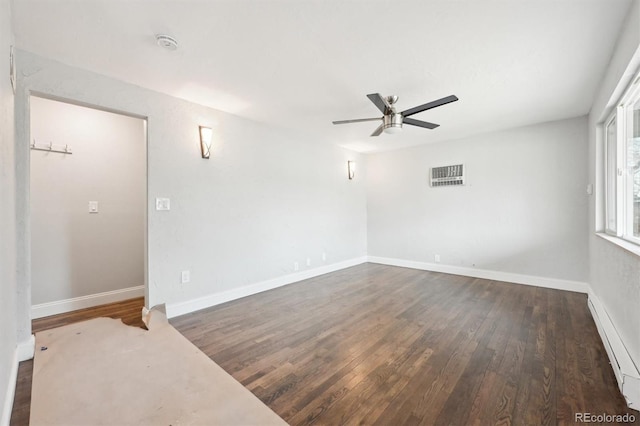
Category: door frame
[23,200]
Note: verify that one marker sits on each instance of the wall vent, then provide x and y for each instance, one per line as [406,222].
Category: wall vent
[447,175]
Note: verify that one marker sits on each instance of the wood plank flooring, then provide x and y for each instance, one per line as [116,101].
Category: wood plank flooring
[375,344]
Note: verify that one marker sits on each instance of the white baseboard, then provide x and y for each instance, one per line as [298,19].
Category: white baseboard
[626,372]
[68,305]
[188,306]
[25,350]
[554,283]
[5,419]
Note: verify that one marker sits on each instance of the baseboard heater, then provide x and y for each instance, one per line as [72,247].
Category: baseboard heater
[624,369]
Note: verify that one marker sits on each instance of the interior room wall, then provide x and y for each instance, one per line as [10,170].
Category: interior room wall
[522,209]
[266,199]
[74,252]
[8,362]
[614,271]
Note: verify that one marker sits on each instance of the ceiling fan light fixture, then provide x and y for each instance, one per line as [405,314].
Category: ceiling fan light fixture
[392,123]
[393,129]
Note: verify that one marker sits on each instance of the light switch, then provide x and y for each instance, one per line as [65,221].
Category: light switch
[93,207]
[163,204]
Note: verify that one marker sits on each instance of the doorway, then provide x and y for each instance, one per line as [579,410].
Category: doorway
[88,197]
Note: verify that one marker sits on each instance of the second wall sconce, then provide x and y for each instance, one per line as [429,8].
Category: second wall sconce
[351,169]
[205,141]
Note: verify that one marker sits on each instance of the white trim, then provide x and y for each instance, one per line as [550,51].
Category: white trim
[68,305]
[627,245]
[192,305]
[608,173]
[625,370]
[25,350]
[555,283]
[11,391]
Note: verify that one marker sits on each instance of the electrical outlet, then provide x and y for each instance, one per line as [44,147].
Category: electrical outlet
[436,258]
[324,256]
[308,261]
[186,277]
[295,266]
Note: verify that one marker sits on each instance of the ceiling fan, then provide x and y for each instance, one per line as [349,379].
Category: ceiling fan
[392,121]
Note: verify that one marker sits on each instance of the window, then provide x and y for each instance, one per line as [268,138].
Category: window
[622,167]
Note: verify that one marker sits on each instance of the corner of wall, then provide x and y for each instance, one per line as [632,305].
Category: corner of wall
[5,415]
[613,270]
[8,316]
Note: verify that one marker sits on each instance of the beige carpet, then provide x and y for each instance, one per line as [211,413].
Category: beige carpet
[102,372]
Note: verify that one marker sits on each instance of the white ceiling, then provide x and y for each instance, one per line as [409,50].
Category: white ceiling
[301,64]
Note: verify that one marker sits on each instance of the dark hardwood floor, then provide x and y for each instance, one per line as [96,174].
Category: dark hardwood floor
[375,344]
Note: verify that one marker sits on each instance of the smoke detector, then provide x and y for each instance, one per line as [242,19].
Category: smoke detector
[166,41]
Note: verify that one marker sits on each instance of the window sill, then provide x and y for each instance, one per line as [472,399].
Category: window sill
[628,246]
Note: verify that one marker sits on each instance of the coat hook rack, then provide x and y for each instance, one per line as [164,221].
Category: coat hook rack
[51,148]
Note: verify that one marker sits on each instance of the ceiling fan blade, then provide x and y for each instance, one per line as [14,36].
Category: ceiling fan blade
[420,123]
[429,105]
[356,120]
[378,130]
[380,102]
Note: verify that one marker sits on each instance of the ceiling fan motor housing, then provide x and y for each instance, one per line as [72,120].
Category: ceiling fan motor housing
[392,123]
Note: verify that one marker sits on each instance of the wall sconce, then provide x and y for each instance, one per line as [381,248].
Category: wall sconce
[351,169]
[205,141]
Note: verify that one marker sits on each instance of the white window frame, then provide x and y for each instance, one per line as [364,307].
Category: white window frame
[623,193]
[614,218]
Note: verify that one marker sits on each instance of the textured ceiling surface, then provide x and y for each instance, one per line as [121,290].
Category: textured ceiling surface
[300,64]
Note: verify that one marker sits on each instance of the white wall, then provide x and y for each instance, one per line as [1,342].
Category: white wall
[7,220]
[73,252]
[614,272]
[264,200]
[523,209]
